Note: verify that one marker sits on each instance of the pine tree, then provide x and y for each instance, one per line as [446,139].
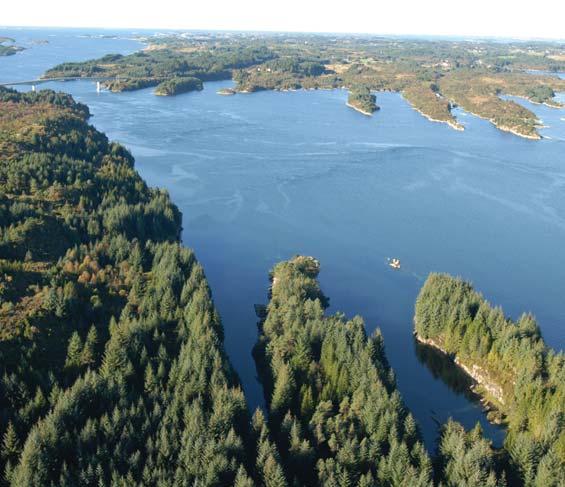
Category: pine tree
[10,444]
[242,479]
[343,478]
[283,392]
[551,471]
[88,355]
[151,383]
[367,480]
[273,474]
[307,403]
[74,351]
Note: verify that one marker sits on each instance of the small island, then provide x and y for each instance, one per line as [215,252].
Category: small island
[129,84]
[362,100]
[226,92]
[474,76]
[176,86]
[8,47]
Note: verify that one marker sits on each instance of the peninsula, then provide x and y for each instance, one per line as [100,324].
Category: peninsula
[433,76]
[514,370]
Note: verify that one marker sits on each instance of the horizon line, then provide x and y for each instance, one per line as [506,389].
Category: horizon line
[461,37]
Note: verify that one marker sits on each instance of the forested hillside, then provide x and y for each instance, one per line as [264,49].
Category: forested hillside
[113,370]
[112,364]
[516,371]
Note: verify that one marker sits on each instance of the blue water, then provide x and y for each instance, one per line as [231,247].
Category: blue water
[62,46]
[265,176]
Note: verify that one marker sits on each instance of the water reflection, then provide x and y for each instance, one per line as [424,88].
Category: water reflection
[442,367]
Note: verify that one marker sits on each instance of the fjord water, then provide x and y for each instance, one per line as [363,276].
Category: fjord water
[262,177]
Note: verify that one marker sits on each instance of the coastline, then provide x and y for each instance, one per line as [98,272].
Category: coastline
[492,402]
[452,123]
[359,109]
[512,131]
[506,129]
[455,125]
[556,105]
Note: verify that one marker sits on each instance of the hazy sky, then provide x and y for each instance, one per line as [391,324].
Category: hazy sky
[503,18]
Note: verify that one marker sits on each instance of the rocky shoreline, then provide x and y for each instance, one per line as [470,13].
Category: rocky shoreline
[226,92]
[536,136]
[457,126]
[452,123]
[358,109]
[483,382]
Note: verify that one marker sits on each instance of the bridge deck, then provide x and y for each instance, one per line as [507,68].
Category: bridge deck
[74,78]
[47,80]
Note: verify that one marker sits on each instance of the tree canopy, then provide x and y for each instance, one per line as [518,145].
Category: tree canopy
[113,369]
[522,377]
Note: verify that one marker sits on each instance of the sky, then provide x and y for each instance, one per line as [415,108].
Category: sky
[492,18]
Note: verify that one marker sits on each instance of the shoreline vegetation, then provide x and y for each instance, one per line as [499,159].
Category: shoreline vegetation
[358,109]
[433,76]
[328,386]
[177,86]
[362,100]
[531,135]
[519,378]
[112,362]
[332,399]
[454,124]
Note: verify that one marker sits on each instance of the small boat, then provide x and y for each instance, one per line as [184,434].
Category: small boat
[394,263]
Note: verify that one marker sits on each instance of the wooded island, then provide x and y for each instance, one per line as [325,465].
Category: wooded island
[433,76]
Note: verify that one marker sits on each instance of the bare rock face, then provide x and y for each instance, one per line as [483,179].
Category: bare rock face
[481,376]
[478,373]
